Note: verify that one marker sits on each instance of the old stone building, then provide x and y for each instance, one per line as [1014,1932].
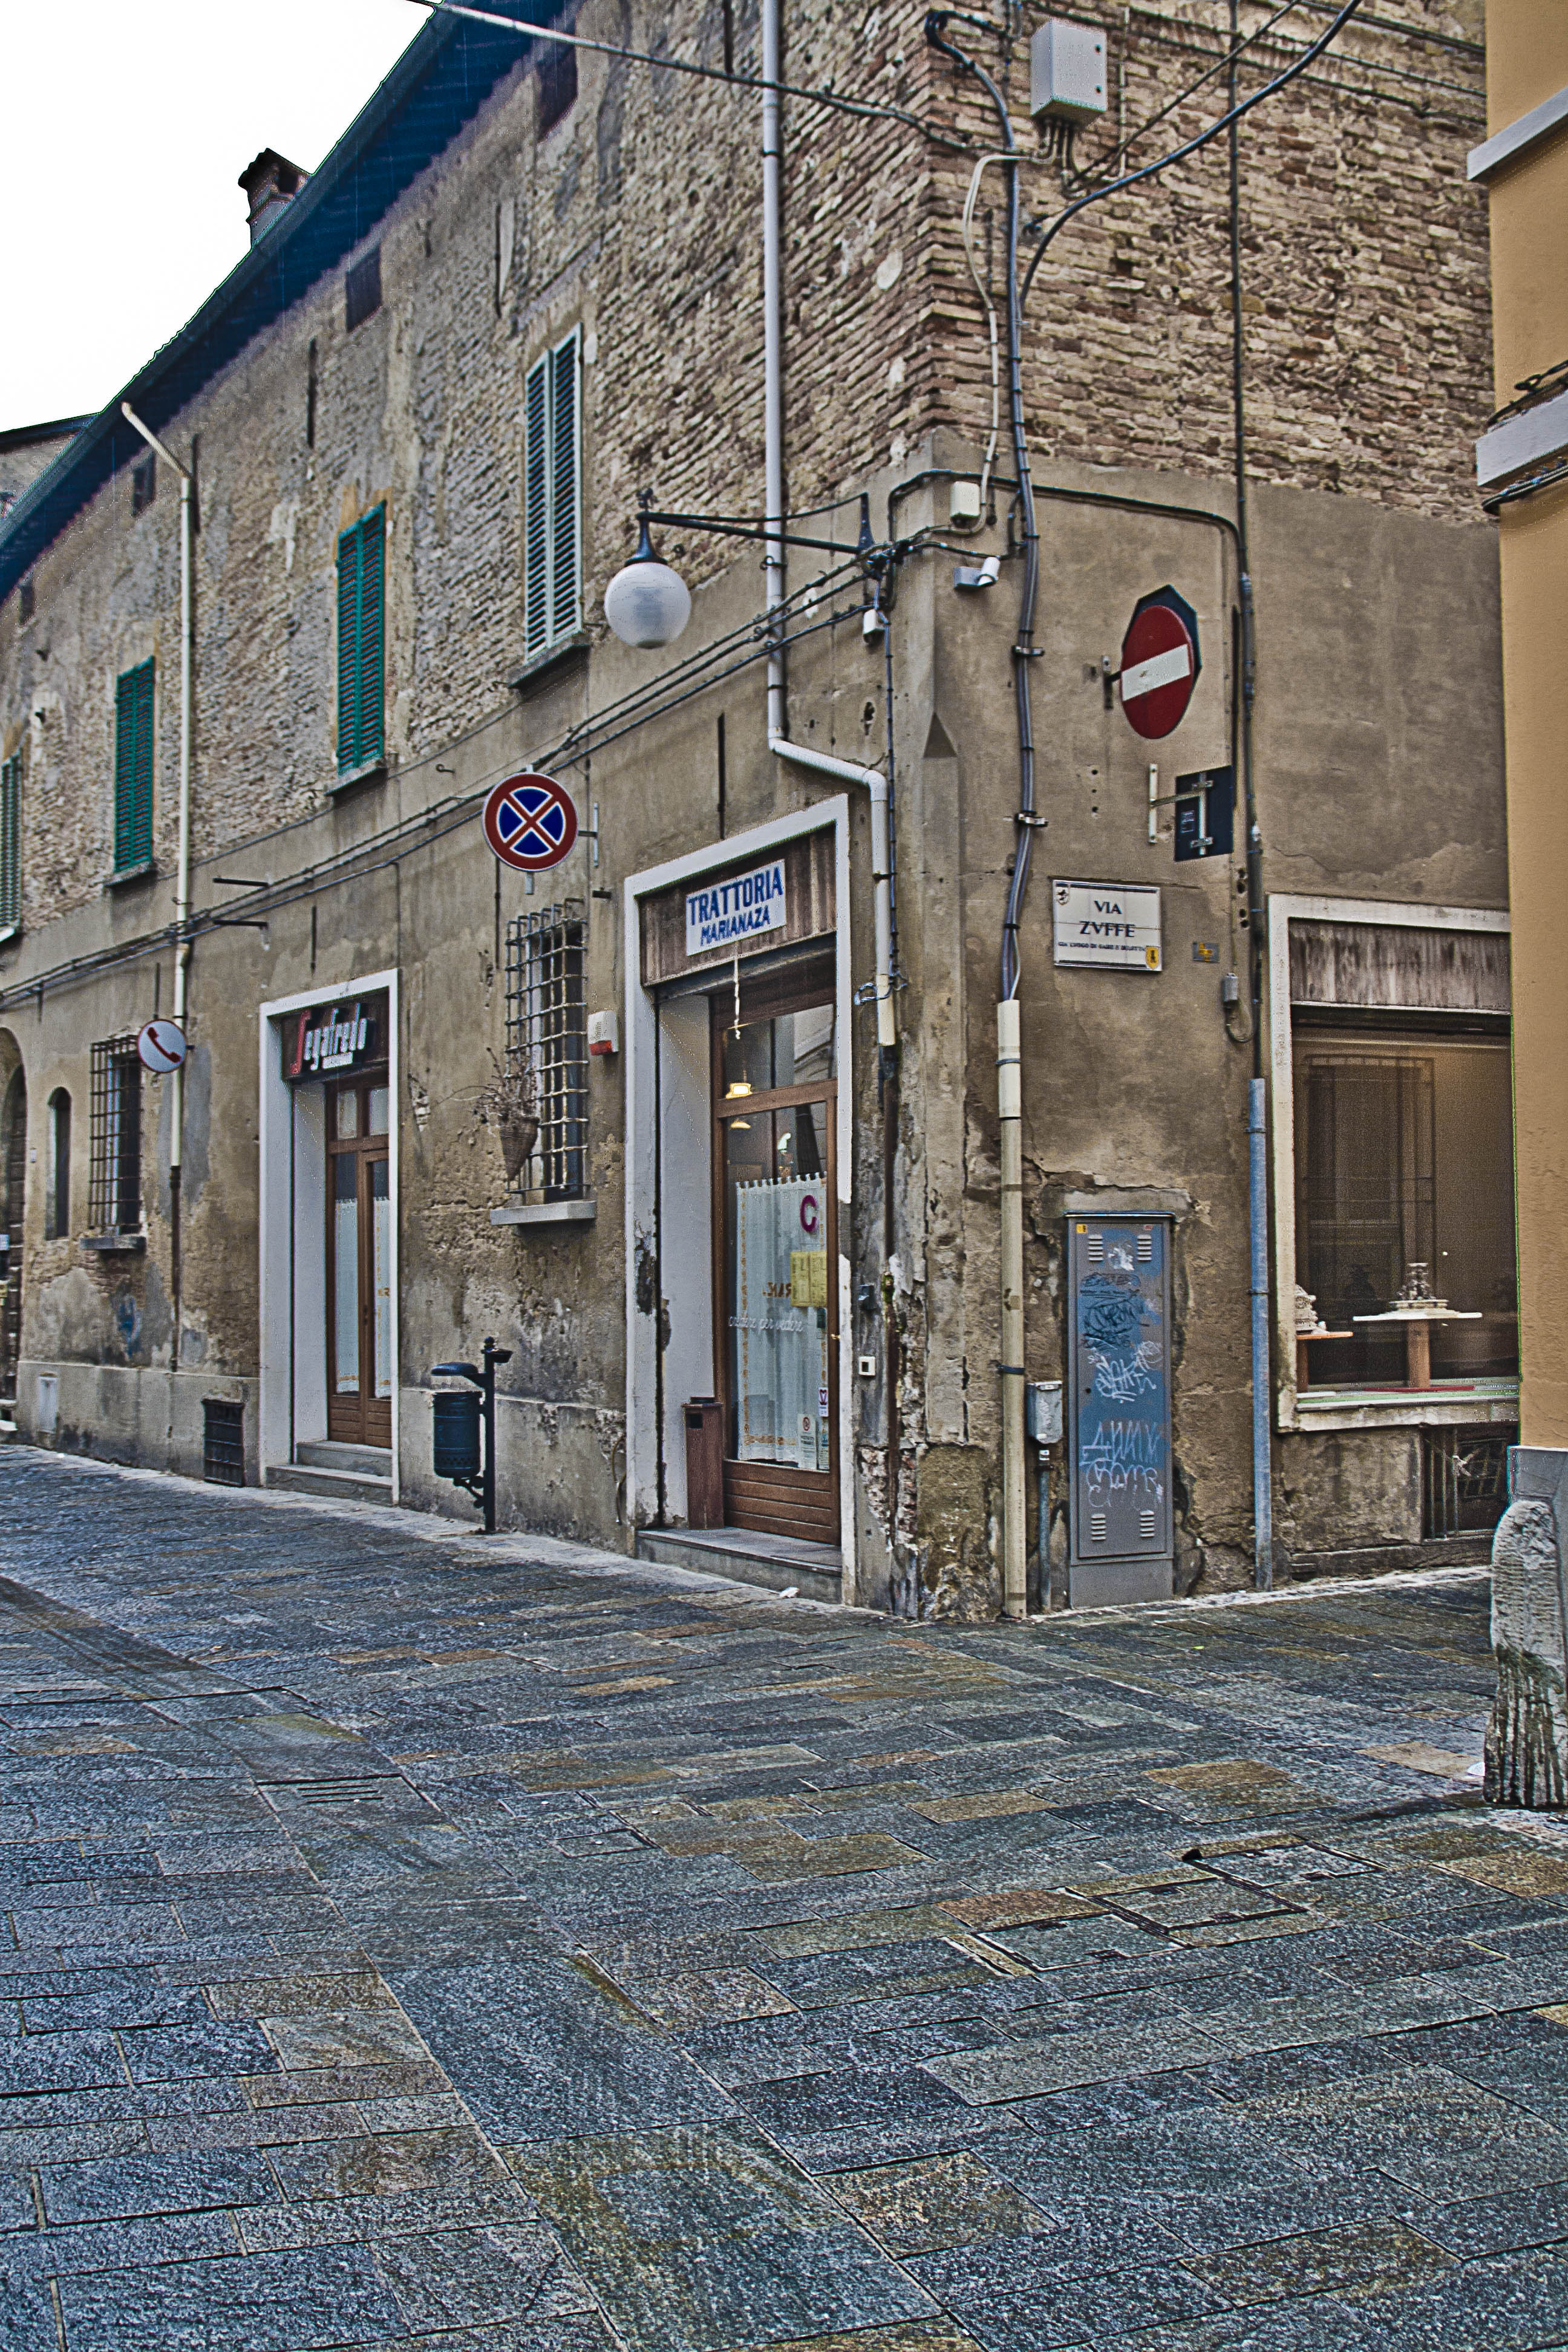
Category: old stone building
[722,1167]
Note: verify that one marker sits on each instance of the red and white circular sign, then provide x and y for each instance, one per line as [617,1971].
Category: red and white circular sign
[1160,664]
[160,1046]
[530,821]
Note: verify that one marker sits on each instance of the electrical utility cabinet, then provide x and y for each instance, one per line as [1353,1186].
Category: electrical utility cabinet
[1122,1530]
[1066,71]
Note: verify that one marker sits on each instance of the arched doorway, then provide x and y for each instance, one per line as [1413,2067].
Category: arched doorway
[14,1145]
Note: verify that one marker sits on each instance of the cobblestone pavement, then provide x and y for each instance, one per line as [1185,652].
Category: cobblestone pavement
[413,1941]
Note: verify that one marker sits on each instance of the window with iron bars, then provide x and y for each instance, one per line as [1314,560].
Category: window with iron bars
[115,1178]
[547,1033]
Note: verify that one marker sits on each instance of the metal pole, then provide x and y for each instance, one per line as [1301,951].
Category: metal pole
[1262,1444]
[773,353]
[1045,1529]
[1015,1512]
[488,1393]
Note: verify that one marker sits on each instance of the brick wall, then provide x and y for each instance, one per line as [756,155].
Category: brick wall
[637,216]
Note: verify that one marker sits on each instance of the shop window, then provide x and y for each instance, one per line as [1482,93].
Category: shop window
[362,567]
[10,846]
[547,1036]
[1404,1159]
[552,534]
[134,770]
[114,1203]
[58,1175]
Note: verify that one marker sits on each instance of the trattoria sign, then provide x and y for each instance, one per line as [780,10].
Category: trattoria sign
[724,914]
[1113,926]
[331,1041]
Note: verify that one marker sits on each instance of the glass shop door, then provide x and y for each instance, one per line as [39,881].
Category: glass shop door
[358,1264]
[775,1093]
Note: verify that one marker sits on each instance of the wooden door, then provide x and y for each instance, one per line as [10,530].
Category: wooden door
[775,1258]
[360,1305]
[16,1186]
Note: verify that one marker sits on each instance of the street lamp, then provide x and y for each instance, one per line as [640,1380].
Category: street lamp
[646,604]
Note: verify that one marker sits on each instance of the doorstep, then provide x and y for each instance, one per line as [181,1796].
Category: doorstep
[776,1562]
[353,1474]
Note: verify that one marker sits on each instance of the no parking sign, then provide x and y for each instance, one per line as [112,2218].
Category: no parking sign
[530,821]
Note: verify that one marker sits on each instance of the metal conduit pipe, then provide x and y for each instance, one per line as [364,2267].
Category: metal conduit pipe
[181,865]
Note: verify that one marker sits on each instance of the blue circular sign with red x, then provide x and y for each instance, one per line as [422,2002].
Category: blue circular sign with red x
[530,821]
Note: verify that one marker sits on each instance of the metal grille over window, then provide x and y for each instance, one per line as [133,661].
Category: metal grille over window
[551,500]
[133,769]
[223,1442]
[1464,1479]
[10,844]
[547,1033]
[115,1179]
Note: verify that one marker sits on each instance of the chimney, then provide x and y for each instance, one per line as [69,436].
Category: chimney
[272,182]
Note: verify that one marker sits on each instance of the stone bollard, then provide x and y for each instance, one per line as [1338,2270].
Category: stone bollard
[1527,1738]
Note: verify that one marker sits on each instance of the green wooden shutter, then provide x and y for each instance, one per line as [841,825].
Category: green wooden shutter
[361,661]
[372,637]
[10,844]
[536,510]
[134,768]
[349,551]
[564,541]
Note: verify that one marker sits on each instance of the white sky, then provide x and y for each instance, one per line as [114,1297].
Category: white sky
[124,132]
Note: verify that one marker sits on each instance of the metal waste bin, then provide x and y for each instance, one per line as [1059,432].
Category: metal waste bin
[456,1436]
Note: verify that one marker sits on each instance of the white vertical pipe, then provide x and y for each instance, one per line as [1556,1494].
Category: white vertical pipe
[1010,1108]
[773,353]
[1262,1445]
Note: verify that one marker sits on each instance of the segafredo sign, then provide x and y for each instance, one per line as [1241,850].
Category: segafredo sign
[330,1038]
[722,914]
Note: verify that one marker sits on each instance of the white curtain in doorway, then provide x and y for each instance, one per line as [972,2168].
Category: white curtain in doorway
[781,1346]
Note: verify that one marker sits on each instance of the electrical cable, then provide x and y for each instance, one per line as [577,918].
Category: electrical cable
[1188,147]
[1102,163]
[967,232]
[864,108]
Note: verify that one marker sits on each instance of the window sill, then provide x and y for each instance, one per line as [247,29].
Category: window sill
[1445,1404]
[9,934]
[115,1244]
[538,666]
[373,772]
[546,1212]
[142,872]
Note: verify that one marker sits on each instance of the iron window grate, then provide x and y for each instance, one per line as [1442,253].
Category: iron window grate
[114,1195]
[1464,1479]
[223,1442]
[11,844]
[547,1033]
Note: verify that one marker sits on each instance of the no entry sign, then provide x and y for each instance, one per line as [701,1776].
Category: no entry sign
[1160,663]
[530,821]
[160,1046]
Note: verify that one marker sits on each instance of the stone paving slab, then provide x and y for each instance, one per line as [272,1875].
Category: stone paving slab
[411,1941]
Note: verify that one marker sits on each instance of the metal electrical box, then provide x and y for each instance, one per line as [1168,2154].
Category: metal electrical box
[1066,71]
[1122,1531]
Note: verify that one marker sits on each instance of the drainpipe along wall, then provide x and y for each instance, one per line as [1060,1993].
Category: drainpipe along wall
[182,869]
[823,762]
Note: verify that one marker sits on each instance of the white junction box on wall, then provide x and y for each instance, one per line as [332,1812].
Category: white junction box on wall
[1066,71]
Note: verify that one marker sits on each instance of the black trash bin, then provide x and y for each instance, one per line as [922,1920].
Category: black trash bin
[456,1436]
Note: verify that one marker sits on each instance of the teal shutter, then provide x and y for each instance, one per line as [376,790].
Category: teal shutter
[536,510]
[10,844]
[361,672]
[134,768]
[372,637]
[563,489]
[552,562]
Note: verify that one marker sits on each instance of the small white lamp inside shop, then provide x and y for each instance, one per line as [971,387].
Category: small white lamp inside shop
[646,604]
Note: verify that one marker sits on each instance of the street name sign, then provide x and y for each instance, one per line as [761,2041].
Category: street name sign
[530,821]
[1107,926]
[1160,663]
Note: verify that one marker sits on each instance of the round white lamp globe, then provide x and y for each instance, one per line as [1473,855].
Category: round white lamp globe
[646,604]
